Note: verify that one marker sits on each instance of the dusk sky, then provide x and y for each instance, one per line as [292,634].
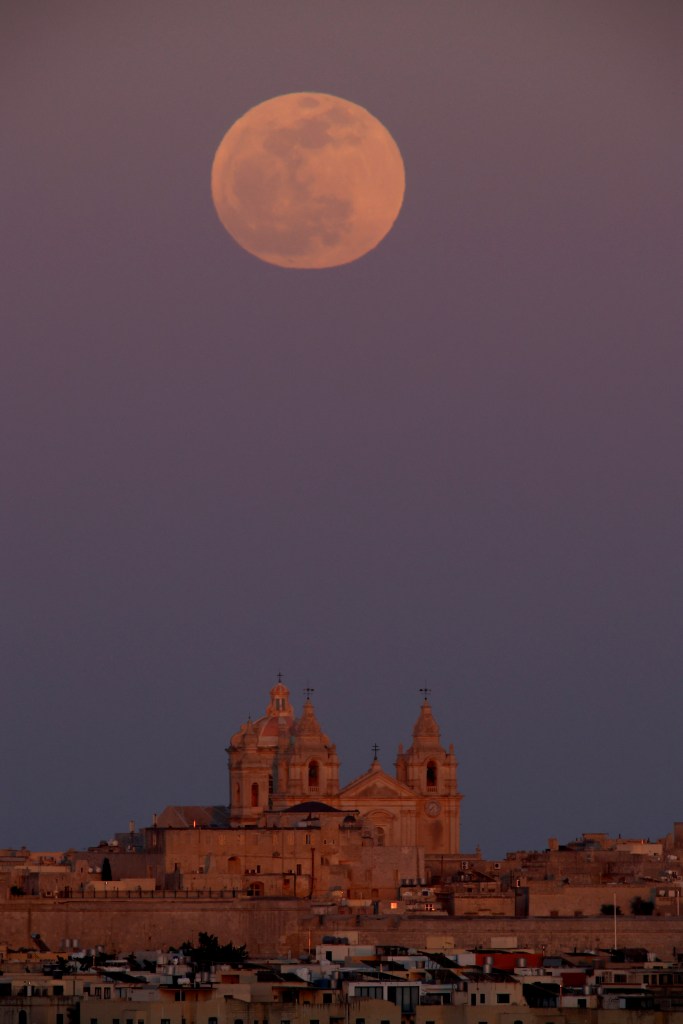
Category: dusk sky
[454,463]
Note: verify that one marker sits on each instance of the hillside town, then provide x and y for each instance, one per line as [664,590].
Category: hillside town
[304,901]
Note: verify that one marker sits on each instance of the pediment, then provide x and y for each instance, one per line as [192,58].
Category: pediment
[375,785]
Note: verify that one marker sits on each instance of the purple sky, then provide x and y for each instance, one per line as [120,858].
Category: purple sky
[455,463]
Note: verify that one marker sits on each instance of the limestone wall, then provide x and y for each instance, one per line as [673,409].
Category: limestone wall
[548,899]
[269,926]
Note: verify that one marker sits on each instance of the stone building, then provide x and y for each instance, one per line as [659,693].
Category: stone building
[291,830]
[279,761]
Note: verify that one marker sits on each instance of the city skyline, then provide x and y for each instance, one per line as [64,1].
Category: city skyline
[452,464]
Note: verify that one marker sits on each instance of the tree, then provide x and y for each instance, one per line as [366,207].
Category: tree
[609,910]
[641,907]
[209,951]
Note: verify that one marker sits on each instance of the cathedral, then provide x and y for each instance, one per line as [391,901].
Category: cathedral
[280,763]
[293,832]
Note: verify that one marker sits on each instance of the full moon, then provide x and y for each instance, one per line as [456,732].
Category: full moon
[308,180]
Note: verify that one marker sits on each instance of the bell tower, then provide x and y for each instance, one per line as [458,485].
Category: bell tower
[311,763]
[431,772]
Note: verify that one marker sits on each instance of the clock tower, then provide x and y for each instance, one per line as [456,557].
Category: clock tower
[431,772]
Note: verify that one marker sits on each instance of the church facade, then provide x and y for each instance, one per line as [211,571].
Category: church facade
[292,831]
[279,763]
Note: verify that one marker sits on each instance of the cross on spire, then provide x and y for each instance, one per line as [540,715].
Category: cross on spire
[427,691]
[375,750]
[279,677]
[308,690]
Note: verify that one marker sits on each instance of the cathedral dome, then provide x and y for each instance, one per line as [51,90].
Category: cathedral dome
[279,718]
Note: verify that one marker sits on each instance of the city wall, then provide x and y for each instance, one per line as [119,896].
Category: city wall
[285,926]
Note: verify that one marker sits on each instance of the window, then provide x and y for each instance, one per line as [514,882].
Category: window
[107,993]
[313,775]
[503,997]
[59,1018]
[57,990]
[380,835]
[93,1020]
[298,869]
[254,794]
[165,1020]
[482,997]
[98,992]
[213,1020]
[271,785]
[431,775]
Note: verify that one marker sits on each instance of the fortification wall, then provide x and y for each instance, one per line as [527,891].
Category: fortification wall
[282,926]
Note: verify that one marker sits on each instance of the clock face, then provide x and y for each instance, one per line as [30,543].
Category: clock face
[432,808]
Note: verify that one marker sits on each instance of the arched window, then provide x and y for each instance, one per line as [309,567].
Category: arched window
[431,775]
[313,775]
[254,794]
[380,835]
